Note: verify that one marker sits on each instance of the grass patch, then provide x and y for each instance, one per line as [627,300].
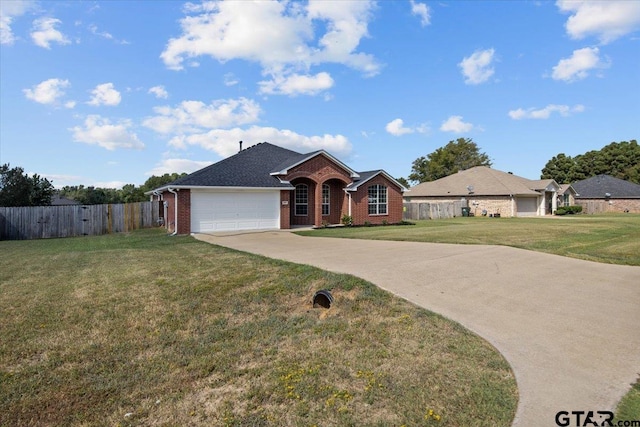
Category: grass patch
[145,329]
[613,239]
[629,407]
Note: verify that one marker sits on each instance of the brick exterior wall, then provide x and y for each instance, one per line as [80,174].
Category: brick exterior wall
[315,172]
[285,209]
[360,203]
[184,211]
[321,170]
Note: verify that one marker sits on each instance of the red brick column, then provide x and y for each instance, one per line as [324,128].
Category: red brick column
[318,206]
[285,209]
[184,211]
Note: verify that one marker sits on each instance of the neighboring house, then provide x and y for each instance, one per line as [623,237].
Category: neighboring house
[604,193]
[489,191]
[566,195]
[57,200]
[269,187]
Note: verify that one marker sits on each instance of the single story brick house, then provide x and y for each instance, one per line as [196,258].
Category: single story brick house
[490,192]
[269,187]
[604,193]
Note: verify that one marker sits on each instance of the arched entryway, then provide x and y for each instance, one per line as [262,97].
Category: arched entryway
[317,204]
[333,199]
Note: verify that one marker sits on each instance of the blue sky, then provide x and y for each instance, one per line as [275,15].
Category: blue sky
[111,92]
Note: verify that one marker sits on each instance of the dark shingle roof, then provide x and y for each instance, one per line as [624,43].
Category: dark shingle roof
[597,187]
[250,167]
[257,167]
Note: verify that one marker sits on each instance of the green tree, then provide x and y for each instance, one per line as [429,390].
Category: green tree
[457,155]
[403,181]
[131,194]
[19,189]
[618,159]
[158,181]
[561,168]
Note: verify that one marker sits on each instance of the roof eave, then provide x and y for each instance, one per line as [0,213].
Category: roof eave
[286,186]
[353,187]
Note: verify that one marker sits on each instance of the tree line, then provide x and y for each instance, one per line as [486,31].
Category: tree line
[617,159]
[19,189]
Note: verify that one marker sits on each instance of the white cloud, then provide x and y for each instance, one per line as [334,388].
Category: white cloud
[94,30]
[224,142]
[545,113]
[230,79]
[577,66]
[159,92]
[194,116]
[395,128]
[297,84]
[176,166]
[456,125]
[421,10]
[477,68]
[105,94]
[607,20]
[99,131]
[48,91]
[277,35]
[44,32]
[60,180]
[110,184]
[8,11]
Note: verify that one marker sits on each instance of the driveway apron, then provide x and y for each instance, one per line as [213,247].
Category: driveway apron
[569,328]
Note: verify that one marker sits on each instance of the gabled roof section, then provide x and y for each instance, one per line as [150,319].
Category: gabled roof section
[284,167]
[250,167]
[544,184]
[566,189]
[368,175]
[606,187]
[476,181]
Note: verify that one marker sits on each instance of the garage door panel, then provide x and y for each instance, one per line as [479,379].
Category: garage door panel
[527,206]
[211,211]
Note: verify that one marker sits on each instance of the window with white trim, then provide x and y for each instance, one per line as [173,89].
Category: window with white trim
[377,199]
[326,197]
[301,200]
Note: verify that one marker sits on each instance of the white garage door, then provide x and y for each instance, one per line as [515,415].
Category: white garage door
[527,206]
[223,211]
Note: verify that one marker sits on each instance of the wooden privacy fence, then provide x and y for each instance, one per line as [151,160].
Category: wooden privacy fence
[42,222]
[424,210]
[593,206]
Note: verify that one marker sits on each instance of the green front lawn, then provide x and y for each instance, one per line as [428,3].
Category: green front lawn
[145,329]
[613,239]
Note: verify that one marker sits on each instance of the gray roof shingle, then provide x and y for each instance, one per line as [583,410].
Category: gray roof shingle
[597,187]
[250,167]
[258,167]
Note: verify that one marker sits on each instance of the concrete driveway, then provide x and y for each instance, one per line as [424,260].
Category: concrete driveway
[569,328]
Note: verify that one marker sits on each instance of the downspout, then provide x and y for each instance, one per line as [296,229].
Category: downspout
[175,215]
[349,194]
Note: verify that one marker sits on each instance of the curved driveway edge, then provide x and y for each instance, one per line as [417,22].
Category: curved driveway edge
[569,328]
